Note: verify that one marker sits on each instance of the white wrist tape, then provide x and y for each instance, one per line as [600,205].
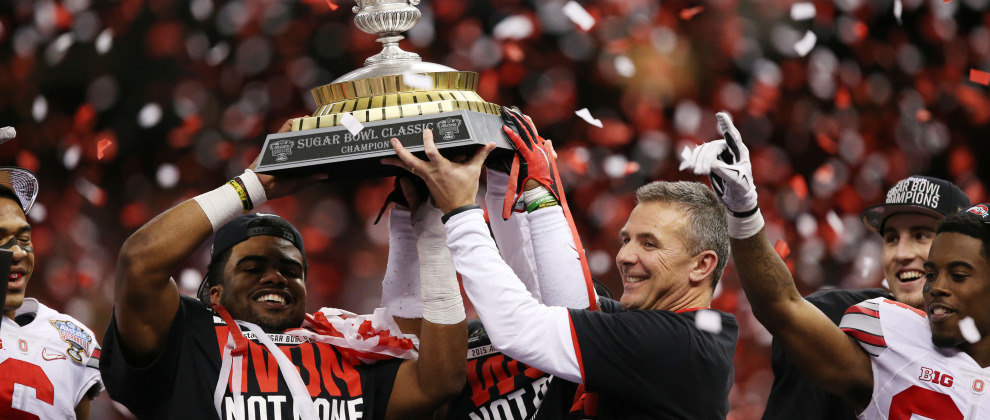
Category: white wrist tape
[400,287]
[745,227]
[254,188]
[220,205]
[534,194]
[442,303]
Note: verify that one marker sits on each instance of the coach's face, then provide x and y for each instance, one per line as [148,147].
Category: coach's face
[656,268]
[957,286]
[13,225]
[906,240]
[264,283]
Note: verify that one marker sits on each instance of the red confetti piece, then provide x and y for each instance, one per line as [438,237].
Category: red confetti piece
[923,115]
[101,147]
[826,143]
[331,5]
[782,249]
[799,186]
[842,98]
[981,77]
[687,14]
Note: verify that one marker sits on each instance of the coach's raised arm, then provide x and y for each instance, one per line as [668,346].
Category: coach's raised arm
[171,356]
[674,249]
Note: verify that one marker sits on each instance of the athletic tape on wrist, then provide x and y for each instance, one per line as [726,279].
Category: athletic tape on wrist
[745,227]
[220,205]
[442,303]
[255,190]
[530,196]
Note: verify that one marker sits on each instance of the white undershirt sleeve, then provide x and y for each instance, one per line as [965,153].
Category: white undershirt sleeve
[400,287]
[513,235]
[562,281]
[518,325]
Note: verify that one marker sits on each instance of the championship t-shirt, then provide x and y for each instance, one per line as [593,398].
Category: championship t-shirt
[654,364]
[792,396]
[180,383]
[499,387]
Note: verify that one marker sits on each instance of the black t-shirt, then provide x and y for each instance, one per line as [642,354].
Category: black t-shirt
[181,382]
[792,396]
[654,364]
[499,387]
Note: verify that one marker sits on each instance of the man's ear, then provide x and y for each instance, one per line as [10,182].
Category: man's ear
[702,267]
[216,292]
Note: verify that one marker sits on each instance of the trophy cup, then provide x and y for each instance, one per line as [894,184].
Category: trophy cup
[378,97]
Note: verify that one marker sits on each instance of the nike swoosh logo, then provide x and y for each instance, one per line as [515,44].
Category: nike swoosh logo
[51,356]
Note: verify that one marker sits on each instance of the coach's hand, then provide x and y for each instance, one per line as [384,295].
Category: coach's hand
[281,186]
[451,184]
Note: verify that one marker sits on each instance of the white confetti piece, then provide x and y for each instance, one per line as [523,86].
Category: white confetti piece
[167,175]
[624,66]
[104,41]
[803,11]
[38,212]
[578,15]
[7,133]
[969,331]
[418,81]
[71,157]
[351,124]
[885,284]
[806,44]
[835,222]
[39,109]
[898,9]
[586,116]
[513,27]
[685,155]
[150,115]
[190,279]
[708,320]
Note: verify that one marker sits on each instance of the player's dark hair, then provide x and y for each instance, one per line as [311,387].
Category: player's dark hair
[9,193]
[707,227]
[969,225]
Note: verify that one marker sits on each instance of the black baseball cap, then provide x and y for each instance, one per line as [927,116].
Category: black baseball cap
[244,227]
[917,194]
[981,211]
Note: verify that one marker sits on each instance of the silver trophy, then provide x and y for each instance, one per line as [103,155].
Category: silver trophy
[379,98]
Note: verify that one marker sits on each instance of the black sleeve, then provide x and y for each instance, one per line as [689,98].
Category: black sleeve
[377,380]
[625,353]
[144,389]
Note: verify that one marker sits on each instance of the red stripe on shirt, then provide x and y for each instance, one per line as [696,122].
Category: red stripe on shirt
[906,306]
[861,310]
[866,337]
[577,347]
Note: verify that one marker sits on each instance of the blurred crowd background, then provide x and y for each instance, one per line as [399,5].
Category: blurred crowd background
[127,107]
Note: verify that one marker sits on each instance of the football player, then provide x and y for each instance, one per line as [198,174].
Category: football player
[48,361]
[887,359]
[241,356]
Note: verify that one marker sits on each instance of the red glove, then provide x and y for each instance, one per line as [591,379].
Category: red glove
[537,161]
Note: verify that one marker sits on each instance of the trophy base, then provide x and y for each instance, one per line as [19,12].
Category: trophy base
[335,152]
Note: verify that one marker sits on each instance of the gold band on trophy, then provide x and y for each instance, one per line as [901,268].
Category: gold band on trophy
[388,97]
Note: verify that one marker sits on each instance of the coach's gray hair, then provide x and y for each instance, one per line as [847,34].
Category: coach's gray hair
[707,226]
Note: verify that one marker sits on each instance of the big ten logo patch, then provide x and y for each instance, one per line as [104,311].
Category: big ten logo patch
[79,340]
[492,377]
[935,377]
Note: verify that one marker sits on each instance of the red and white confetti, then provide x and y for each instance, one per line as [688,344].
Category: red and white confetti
[586,116]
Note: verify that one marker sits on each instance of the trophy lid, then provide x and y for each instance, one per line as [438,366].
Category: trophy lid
[392,69]
[388,19]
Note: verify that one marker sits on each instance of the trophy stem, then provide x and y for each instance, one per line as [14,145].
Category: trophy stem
[391,52]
